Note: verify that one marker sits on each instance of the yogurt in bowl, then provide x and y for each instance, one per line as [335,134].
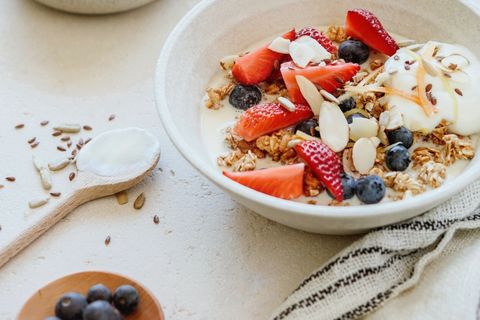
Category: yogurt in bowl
[200,137]
[384,121]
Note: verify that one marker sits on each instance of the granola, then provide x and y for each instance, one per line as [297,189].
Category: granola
[457,148]
[433,174]
[216,95]
[336,33]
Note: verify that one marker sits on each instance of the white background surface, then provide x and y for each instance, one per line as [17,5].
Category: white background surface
[209,258]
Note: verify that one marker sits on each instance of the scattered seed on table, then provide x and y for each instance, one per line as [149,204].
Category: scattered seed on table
[87,128]
[122,197]
[107,240]
[38,203]
[88,140]
[112,117]
[68,128]
[69,144]
[60,148]
[10,179]
[56,133]
[459,92]
[44,123]
[139,202]
[66,138]
[34,145]
[32,140]
[55,194]
[74,152]
[19,126]
[428,88]
[156,219]
[71,176]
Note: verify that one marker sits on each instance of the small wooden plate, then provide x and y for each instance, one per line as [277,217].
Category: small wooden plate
[42,304]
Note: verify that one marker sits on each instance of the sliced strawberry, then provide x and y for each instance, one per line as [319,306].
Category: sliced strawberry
[329,77]
[363,25]
[320,37]
[268,117]
[258,65]
[325,163]
[284,182]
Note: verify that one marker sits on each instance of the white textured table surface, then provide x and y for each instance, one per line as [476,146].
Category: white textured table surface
[209,258]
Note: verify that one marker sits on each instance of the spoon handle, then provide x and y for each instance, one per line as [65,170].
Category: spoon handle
[55,214]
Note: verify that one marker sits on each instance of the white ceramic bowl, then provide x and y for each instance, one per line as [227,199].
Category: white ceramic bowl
[216,28]
[94,6]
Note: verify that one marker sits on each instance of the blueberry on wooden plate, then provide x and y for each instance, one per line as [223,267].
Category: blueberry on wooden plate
[70,306]
[244,97]
[126,299]
[370,189]
[398,158]
[101,310]
[353,51]
[99,292]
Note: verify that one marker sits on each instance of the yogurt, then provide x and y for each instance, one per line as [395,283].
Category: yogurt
[119,152]
[456,94]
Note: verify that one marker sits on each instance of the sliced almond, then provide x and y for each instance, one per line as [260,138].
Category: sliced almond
[364,155]
[304,136]
[310,93]
[391,119]
[376,141]
[382,136]
[301,53]
[430,67]
[280,45]
[320,53]
[287,104]
[382,78]
[292,143]
[363,128]
[333,126]
[330,97]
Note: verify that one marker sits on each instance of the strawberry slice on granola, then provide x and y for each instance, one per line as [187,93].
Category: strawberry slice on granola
[324,163]
[363,25]
[328,77]
[284,182]
[258,65]
[321,38]
[269,117]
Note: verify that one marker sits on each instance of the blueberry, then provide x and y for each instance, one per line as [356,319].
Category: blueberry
[101,310]
[349,186]
[397,158]
[99,292]
[353,51]
[370,189]
[245,97]
[308,126]
[354,115]
[126,299]
[347,104]
[70,306]
[402,135]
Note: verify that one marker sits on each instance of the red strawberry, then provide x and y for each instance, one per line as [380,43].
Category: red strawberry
[361,24]
[258,65]
[320,37]
[284,182]
[329,77]
[268,117]
[325,163]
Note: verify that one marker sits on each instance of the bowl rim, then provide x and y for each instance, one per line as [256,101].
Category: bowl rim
[428,199]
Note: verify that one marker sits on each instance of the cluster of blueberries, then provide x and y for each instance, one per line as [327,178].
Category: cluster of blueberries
[99,304]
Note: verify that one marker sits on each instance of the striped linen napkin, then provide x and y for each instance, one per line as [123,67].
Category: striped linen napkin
[381,265]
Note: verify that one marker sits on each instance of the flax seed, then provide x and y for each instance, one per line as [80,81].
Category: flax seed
[32,140]
[60,148]
[428,88]
[71,176]
[55,194]
[19,126]
[66,138]
[87,128]
[10,179]
[44,123]
[459,92]
[112,117]
[156,219]
[107,240]
[56,133]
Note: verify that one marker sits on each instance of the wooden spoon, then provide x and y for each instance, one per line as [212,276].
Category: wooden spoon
[42,304]
[86,186]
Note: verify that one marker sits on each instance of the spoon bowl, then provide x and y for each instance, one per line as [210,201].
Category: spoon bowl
[42,303]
